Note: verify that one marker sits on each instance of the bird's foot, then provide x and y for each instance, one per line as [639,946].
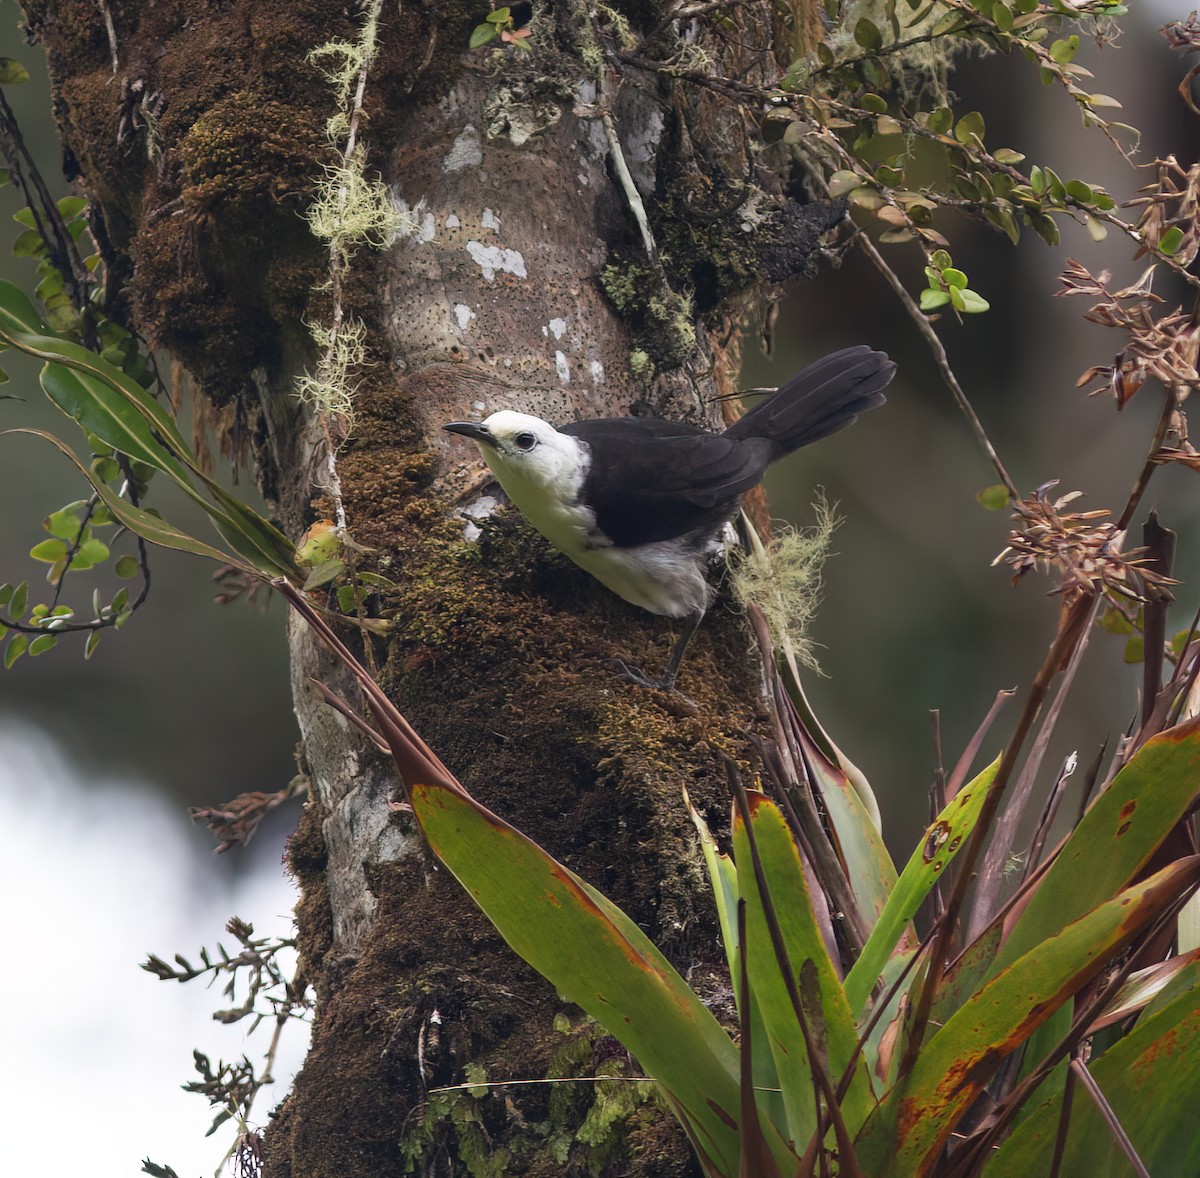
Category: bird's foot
[666,683]
[633,675]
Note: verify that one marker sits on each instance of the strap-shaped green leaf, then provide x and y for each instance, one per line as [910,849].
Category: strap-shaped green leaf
[913,1122]
[1151,1079]
[822,996]
[943,840]
[595,956]
[106,412]
[149,527]
[1114,839]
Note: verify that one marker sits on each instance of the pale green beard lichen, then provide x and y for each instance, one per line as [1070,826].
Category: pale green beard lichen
[331,388]
[783,579]
[349,210]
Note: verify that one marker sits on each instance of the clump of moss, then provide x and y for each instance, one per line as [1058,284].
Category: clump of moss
[247,152]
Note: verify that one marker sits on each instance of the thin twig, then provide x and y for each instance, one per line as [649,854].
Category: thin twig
[1064,1126]
[921,320]
[1088,1082]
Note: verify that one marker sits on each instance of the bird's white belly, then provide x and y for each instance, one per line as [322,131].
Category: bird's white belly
[664,578]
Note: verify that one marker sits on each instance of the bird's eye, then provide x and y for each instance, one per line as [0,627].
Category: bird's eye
[525,441]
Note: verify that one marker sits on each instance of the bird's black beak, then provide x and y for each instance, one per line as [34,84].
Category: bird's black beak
[475,430]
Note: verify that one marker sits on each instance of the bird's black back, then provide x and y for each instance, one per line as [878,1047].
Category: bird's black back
[652,480]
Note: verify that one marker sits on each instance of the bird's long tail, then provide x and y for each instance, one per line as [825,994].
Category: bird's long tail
[825,397]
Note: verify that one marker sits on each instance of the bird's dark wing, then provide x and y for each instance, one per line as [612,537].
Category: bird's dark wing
[652,480]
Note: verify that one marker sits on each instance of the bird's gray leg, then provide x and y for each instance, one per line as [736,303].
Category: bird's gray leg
[667,682]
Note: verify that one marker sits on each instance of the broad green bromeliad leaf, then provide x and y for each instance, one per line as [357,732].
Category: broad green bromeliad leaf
[943,840]
[914,1120]
[822,997]
[1113,840]
[1151,1079]
[596,957]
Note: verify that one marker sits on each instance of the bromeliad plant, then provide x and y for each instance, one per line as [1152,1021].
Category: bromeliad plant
[1030,1036]
[897,1061]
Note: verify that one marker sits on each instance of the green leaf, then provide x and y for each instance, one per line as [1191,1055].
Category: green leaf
[974,304]
[1078,190]
[17,646]
[596,957]
[18,600]
[12,72]
[867,34]
[932,299]
[1114,839]
[482,34]
[1062,51]
[49,551]
[348,598]
[927,864]
[89,647]
[941,120]
[969,128]
[994,498]
[823,999]
[840,183]
[71,206]
[103,410]
[106,469]
[49,286]
[91,552]
[1150,1078]
[323,573]
[1135,650]
[915,1119]
[1046,227]
[1006,155]
[875,103]
[1170,241]
[29,244]
[127,567]
[41,644]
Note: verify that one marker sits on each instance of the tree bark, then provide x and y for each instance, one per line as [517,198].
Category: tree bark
[528,283]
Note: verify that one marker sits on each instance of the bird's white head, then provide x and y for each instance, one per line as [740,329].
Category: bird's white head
[528,454]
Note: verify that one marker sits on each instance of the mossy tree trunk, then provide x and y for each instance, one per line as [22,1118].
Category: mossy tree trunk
[525,281]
